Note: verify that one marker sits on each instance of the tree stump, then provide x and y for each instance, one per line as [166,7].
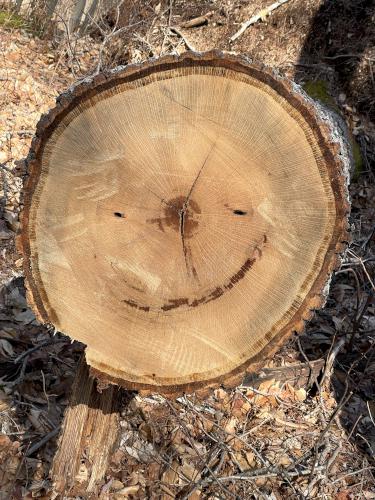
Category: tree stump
[182,218]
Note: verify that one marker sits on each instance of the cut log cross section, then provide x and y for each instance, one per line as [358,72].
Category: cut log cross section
[182,218]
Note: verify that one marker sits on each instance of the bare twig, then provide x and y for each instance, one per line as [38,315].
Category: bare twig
[262,14]
[361,262]
[36,347]
[266,472]
[42,442]
[370,413]
[187,433]
[20,377]
[331,359]
[188,44]
[347,474]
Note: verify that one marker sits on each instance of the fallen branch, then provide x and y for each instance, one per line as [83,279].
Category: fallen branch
[197,21]
[39,346]
[42,442]
[298,375]
[262,14]
[185,40]
[331,359]
[265,472]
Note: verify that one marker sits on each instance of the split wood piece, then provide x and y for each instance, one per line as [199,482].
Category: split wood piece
[182,218]
[89,433]
[297,375]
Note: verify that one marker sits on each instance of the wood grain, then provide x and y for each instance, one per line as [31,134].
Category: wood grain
[89,433]
[182,218]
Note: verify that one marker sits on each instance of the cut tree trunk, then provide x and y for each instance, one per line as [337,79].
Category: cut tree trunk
[182,218]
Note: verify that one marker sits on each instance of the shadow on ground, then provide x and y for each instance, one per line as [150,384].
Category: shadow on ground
[337,61]
[341,43]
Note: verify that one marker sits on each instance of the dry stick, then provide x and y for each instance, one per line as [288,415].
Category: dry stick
[36,347]
[360,261]
[188,44]
[259,456]
[370,414]
[333,457]
[284,473]
[331,359]
[42,442]
[68,38]
[182,424]
[260,15]
[266,472]
[345,398]
[353,428]
[358,319]
[252,475]
[353,473]
[19,379]
[315,378]
[216,470]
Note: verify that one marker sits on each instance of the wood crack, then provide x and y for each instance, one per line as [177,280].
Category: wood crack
[183,213]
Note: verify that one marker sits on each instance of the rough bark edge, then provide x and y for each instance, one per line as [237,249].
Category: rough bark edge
[334,147]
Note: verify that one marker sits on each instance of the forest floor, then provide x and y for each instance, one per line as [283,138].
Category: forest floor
[273,441]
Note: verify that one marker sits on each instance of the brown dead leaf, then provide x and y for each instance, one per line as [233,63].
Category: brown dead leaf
[230,427]
[343,495]
[126,492]
[300,394]
[250,457]
[189,472]
[170,476]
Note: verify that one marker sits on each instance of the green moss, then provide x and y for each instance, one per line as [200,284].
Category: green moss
[317,89]
[10,20]
[358,160]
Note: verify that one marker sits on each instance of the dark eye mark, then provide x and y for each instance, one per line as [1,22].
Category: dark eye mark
[239,212]
[118,214]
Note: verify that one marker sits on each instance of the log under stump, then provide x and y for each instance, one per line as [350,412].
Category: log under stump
[89,434]
[182,218]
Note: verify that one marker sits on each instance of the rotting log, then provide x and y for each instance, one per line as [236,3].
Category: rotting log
[182,218]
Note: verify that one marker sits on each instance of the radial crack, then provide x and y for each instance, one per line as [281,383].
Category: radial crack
[183,215]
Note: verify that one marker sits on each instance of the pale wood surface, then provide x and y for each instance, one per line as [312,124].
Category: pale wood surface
[179,223]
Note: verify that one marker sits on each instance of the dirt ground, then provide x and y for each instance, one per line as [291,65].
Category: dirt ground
[275,441]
